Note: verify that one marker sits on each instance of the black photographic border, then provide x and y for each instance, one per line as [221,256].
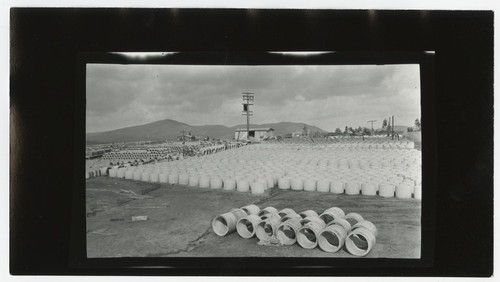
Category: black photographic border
[48,48]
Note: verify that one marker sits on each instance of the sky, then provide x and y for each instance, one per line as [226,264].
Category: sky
[324,96]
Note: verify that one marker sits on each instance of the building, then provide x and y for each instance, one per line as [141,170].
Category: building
[254,133]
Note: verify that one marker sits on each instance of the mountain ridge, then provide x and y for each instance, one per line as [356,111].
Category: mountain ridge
[169,129]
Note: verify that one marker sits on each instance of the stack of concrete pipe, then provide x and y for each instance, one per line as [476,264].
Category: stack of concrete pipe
[256,168]
[330,230]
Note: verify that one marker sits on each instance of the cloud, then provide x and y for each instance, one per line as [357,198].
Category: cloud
[325,96]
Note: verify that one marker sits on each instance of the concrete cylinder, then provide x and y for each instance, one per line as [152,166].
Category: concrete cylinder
[337,187]
[307,235]
[229,184]
[284,183]
[368,189]
[242,186]
[215,183]
[173,178]
[310,185]
[193,181]
[251,209]
[183,179]
[360,242]
[286,231]
[404,191]
[246,226]
[204,182]
[323,186]
[352,188]
[386,190]
[353,218]
[332,238]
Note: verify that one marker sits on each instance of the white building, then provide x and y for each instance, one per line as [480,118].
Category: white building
[254,133]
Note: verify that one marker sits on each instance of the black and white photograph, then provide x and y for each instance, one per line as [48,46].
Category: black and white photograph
[249,140]
[253,160]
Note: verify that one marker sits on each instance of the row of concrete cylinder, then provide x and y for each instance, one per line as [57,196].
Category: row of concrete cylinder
[403,190]
[259,183]
[329,231]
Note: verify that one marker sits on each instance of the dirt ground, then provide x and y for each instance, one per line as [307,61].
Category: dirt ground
[179,221]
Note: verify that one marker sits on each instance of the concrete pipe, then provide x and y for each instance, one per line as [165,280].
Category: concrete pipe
[337,187]
[183,179]
[310,185]
[242,185]
[284,183]
[336,209]
[286,231]
[251,209]
[323,186]
[154,177]
[267,228]
[145,176]
[307,235]
[267,210]
[404,191]
[162,178]
[353,218]
[137,175]
[204,182]
[129,174]
[247,225]
[352,188]
[257,188]
[270,182]
[313,219]
[120,173]
[112,172]
[229,184]
[307,213]
[286,211]
[224,224]
[342,222]
[328,216]
[104,171]
[417,192]
[193,181]
[239,213]
[173,179]
[367,225]
[87,175]
[290,217]
[360,242]
[215,183]
[386,190]
[297,184]
[369,189]
[332,238]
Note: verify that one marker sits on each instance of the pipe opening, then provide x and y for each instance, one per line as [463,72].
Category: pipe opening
[219,226]
[357,244]
[352,221]
[286,234]
[245,228]
[307,238]
[327,218]
[332,239]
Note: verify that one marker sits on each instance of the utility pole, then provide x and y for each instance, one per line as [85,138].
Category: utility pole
[372,121]
[247,101]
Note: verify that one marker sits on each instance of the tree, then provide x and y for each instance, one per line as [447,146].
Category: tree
[384,123]
[346,130]
[338,131]
[359,129]
[367,131]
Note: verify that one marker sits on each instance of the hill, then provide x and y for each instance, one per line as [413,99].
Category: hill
[169,129]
